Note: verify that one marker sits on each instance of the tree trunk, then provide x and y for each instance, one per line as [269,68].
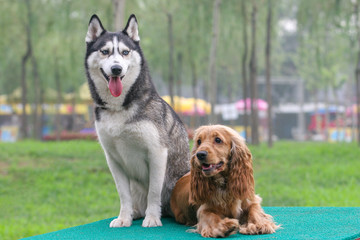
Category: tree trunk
[194,118]
[301,115]
[72,124]
[58,101]
[337,117]
[119,12]
[327,115]
[231,89]
[171,59]
[318,117]
[244,67]
[75,86]
[344,126]
[358,96]
[24,122]
[25,59]
[268,74]
[253,81]
[37,106]
[179,80]
[357,70]
[179,74]
[212,60]
[42,111]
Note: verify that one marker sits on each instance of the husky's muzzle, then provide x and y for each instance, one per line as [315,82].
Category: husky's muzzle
[114,81]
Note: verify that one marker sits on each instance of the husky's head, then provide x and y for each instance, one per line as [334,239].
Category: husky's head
[113,59]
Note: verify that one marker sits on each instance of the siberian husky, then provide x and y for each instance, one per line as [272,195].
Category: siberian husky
[145,142]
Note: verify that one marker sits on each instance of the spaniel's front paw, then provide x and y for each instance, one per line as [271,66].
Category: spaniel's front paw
[224,228]
[266,227]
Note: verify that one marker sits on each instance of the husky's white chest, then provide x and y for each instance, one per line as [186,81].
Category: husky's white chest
[128,144]
[112,123]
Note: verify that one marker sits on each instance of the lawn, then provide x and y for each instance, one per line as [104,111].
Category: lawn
[50,186]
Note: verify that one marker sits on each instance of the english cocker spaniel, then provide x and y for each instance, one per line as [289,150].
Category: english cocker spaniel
[218,194]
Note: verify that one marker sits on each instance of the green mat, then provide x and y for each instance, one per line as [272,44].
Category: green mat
[297,223]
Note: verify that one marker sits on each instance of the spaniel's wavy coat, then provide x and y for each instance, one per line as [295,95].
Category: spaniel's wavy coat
[218,194]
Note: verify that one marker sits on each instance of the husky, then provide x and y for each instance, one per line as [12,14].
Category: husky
[144,141]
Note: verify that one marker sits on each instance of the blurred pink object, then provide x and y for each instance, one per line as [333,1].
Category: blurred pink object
[351,110]
[240,105]
[191,112]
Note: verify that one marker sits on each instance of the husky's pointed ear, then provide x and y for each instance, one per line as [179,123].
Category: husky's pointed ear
[131,28]
[94,30]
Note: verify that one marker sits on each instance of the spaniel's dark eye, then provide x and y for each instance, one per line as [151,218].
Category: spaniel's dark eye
[218,140]
[199,142]
[105,51]
[125,52]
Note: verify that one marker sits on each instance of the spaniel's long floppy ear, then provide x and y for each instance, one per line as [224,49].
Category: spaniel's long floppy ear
[198,183]
[241,179]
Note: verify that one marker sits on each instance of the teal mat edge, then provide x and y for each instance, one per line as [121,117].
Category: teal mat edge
[287,216]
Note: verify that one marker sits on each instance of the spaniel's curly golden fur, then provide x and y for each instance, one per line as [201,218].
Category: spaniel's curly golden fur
[218,194]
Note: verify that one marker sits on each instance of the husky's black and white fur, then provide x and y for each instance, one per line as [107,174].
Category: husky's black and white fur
[144,141]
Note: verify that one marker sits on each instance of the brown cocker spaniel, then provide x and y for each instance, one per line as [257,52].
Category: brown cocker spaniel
[218,194]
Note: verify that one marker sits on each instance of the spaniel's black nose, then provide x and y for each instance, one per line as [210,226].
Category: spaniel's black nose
[201,155]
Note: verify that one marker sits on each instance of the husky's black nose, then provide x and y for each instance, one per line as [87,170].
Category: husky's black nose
[201,155]
[116,69]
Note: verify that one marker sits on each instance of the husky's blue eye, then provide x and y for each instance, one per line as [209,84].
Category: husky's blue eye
[125,52]
[105,51]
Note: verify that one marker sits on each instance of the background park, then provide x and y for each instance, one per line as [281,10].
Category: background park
[285,74]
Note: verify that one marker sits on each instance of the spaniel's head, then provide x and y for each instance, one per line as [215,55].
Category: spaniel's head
[212,149]
[220,150]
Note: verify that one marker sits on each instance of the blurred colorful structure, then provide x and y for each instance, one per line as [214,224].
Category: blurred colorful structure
[76,116]
[189,106]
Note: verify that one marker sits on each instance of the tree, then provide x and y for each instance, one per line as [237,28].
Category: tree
[179,76]
[212,60]
[58,99]
[357,69]
[26,57]
[195,35]
[171,58]
[37,106]
[268,73]
[253,81]
[119,10]
[324,59]
[244,66]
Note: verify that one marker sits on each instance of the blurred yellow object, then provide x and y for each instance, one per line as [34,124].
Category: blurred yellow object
[84,93]
[187,105]
[3,99]
[17,108]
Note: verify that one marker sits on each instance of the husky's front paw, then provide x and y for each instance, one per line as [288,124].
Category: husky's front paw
[151,221]
[120,222]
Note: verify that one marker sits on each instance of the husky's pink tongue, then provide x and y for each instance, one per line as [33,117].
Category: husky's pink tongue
[115,86]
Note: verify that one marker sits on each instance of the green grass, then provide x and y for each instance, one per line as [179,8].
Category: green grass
[308,174]
[50,186]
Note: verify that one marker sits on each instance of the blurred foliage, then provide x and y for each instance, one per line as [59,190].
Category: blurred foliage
[320,49]
[326,34]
